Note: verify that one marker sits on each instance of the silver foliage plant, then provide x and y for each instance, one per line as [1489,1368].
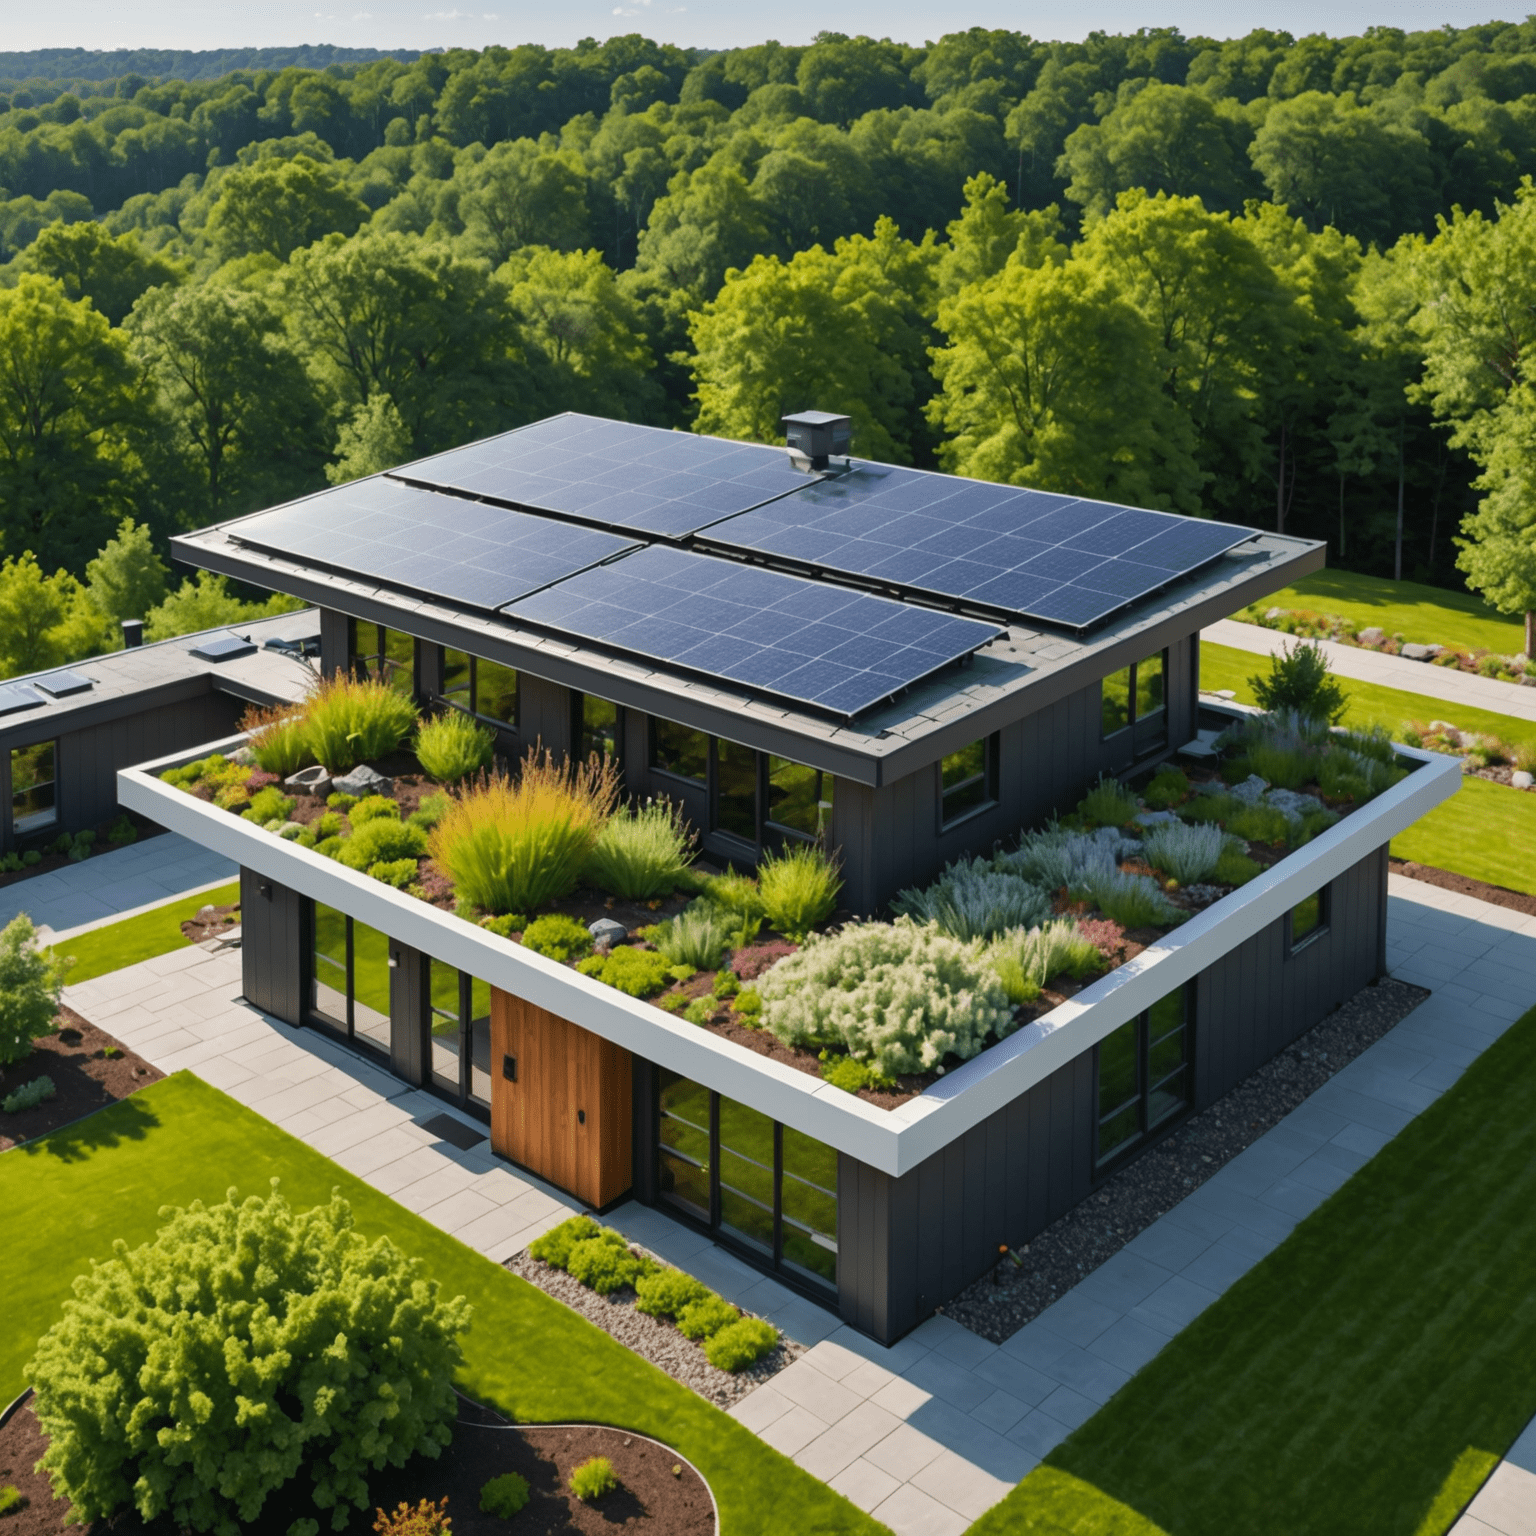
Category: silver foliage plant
[974,900]
[1187,853]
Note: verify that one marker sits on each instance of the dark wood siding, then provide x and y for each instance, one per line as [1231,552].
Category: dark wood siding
[273,964]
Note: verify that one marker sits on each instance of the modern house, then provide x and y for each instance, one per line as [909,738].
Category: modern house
[791,644]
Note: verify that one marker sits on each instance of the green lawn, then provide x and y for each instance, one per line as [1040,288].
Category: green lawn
[69,1195]
[139,938]
[1363,1378]
[1428,615]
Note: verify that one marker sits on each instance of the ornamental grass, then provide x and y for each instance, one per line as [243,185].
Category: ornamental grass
[643,851]
[278,739]
[349,720]
[515,845]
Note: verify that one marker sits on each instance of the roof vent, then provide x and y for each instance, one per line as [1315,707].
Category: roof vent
[15,696]
[59,685]
[223,647]
[818,435]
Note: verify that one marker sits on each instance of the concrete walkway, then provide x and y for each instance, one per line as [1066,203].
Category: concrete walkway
[1506,1504]
[1445,683]
[928,1434]
[116,884]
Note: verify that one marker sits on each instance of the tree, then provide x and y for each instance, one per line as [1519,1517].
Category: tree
[1498,552]
[91,264]
[203,602]
[704,226]
[987,235]
[279,206]
[375,439]
[521,193]
[128,577]
[44,620]
[244,1346]
[31,980]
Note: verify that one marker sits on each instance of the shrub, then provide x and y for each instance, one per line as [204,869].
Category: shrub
[505,925]
[515,846]
[736,893]
[726,985]
[330,847]
[1301,678]
[10,1498]
[635,972]
[504,1496]
[1168,787]
[371,808]
[269,804]
[593,1479]
[424,1519]
[696,937]
[352,720]
[554,1247]
[139,1390]
[1057,857]
[1259,823]
[1108,804]
[1211,808]
[741,1344]
[39,1091]
[382,841]
[1289,767]
[972,900]
[451,746]
[278,738]
[122,830]
[328,825]
[700,1011]
[337,801]
[749,1002]
[1185,853]
[558,936]
[604,1263]
[429,811]
[850,1075]
[396,872]
[899,996]
[31,980]
[1234,867]
[642,852]
[1133,901]
[750,963]
[1033,958]
[666,1292]
[704,1318]
[799,889]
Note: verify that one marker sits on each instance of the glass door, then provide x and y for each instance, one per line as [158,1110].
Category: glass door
[461,1037]
[348,978]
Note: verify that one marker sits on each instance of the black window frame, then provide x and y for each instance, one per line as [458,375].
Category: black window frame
[377,663]
[462,1095]
[1293,945]
[1148,1130]
[39,827]
[655,765]
[469,703]
[989,778]
[312,1017]
[579,745]
[1143,742]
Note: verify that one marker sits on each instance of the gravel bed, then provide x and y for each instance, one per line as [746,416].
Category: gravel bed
[654,1338]
[1132,1199]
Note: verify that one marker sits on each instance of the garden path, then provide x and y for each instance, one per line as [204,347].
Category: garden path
[115,885]
[1454,687]
[930,1433]
[1506,1504]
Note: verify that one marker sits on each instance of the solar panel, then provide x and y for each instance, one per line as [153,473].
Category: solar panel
[223,647]
[638,479]
[806,641]
[1059,559]
[17,696]
[461,550]
[58,685]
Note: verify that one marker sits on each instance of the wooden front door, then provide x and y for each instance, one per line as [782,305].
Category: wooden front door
[562,1100]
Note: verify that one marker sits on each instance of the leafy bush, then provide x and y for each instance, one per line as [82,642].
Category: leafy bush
[1168,787]
[337,800]
[972,900]
[899,996]
[1301,679]
[39,1091]
[593,1479]
[269,804]
[31,980]
[554,1247]
[1057,857]
[10,1498]
[750,963]
[704,1318]
[725,985]
[736,893]
[1259,823]
[1133,901]
[429,811]
[1288,767]
[605,1264]
[558,936]
[635,972]
[799,889]
[423,1519]
[696,937]
[353,720]
[700,1011]
[850,1075]
[749,1003]
[505,925]
[381,841]
[1211,808]
[371,808]
[396,872]
[741,1344]
[667,1292]
[504,1496]
[515,846]
[330,847]
[642,852]
[451,746]
[122,830]
[245,1345]
[278,739]
[1185,853]
[1108,804]
[1234,867]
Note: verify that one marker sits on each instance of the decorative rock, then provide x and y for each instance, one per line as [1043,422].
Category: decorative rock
[1292,803]
[1154,818]
[1522,780]
[310,781]
[243,757]
[1416,652]
[1372,636]
[1274,613]
[606,932]
[1446,729]
[1250,791]
[362,781]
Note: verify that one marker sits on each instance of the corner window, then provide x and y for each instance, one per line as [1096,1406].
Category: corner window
[386,655]
[1307,920]
[1143,1075]
[678,751]
[1135,699]
[600,728]
[968,781]
[484,688]
[799,799]
[34,788]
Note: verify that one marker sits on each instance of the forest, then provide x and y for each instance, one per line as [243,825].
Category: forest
[1282,281]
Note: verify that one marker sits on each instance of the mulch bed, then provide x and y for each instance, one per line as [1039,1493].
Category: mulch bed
[1131,1200]
[211,922]
[652,1496]
[1465,885]
[87,1079]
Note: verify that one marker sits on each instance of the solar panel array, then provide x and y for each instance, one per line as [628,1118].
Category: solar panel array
[636,479]
[807,641]
[17,696]
[1060,559]
[462,550]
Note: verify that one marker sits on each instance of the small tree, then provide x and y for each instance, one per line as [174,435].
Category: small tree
[127,578]
[1301,678]
[246,1344]
[31,980]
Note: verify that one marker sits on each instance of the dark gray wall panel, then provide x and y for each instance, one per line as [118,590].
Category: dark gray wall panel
[272,960]
[545,711]
[335,641]
[410,1013]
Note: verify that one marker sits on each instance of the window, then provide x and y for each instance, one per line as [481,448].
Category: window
[968,781]
[349,978]
[34,788]
[762,1187]
[386,655]
[1136,699]
[1143,1075]
[799,799]
[484,688]
[678,751]
[735,809]
[600,731]
[461,1037]
[1307,920]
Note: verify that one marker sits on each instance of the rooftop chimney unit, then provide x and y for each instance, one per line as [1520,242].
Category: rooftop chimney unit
[818,435]
[133,633]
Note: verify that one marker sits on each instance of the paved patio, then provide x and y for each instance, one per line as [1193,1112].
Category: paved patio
[930,1433]
[1506,1503]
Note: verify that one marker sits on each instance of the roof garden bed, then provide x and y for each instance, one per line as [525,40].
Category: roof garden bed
[551,860]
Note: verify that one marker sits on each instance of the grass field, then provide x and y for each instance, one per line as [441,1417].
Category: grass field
[69,1195]
[139,938]
[1364,1378]
[1429,615]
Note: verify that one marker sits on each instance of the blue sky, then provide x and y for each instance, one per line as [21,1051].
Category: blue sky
[702,23]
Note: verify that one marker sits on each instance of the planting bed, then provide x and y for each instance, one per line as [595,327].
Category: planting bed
[1465,885]
[54,854]
[86,1079]
[651,1497]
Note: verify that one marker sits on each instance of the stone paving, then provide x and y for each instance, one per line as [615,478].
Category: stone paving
[1454,687]
[1506,1503]
[928,1434]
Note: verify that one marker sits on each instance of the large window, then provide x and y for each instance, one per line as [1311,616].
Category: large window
[484,688]
[799,799]
[1307,920]
[600,729]
[1135,700]
[968,781]
[385,654]
[349,978]
[461,1037]
[678,751]
[34,788]
[761,1186]
[735,797]
[1143,1075]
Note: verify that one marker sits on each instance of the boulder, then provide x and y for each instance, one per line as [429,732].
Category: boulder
[1372,636]
[362,781]
[243,757]
[1250,791]
[1521,779]
[309,781]
[1416,652]
[606,932]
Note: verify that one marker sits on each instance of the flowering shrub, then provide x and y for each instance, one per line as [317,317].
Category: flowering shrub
[897,995]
